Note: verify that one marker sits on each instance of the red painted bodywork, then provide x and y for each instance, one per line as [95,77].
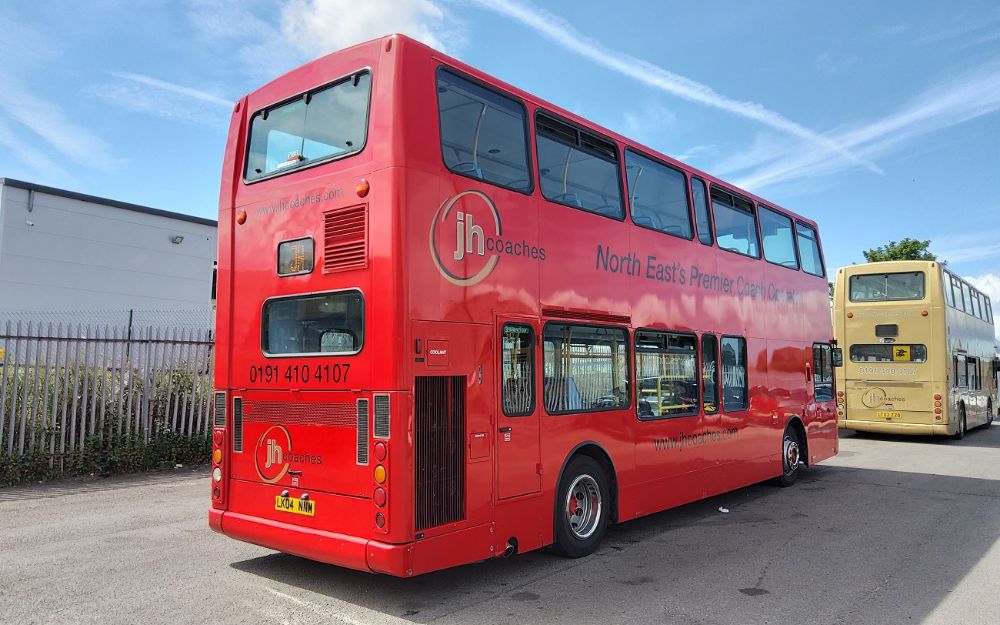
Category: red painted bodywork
[510,485]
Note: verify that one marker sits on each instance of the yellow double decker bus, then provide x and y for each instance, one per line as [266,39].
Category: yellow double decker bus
[918,345]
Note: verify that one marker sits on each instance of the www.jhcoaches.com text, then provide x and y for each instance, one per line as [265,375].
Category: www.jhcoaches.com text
[683,440]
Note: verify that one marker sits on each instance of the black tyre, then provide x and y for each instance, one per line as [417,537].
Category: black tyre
[960,433]
[791,457]
[583,505]
[989,413]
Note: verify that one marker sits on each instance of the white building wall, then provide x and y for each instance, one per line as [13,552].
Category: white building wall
[71,252]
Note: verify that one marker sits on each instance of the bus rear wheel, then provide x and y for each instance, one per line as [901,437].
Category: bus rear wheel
[960,432]
[989,413]
[791,457]
[582,508]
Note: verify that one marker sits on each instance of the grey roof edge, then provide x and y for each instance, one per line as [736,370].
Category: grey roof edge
[83,197]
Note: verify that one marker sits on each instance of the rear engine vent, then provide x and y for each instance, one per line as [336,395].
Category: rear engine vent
[439,413]
[345,239]
[362,415]
[381,416]
[299,413]
[220,410]
[238,424]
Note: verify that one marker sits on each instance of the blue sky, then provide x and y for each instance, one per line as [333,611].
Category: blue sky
[878,119]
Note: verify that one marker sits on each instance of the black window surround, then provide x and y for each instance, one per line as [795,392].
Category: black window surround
[527,130]
[554,128]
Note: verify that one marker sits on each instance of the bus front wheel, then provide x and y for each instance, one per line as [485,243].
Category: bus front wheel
[791,457]
[582,508]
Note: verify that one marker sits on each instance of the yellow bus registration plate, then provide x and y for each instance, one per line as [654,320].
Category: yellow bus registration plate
[885,414]
[295,506]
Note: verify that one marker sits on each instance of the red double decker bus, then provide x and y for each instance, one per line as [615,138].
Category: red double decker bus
[456,321]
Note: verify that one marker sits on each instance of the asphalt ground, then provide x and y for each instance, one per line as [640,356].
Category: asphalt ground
[893,530]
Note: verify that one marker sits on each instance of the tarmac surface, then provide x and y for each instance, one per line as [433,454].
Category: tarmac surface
[893,530]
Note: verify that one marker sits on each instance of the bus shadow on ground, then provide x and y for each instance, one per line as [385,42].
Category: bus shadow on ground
[982,436]
[843,545]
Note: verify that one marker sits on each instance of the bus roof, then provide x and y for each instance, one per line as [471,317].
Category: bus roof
[889,266]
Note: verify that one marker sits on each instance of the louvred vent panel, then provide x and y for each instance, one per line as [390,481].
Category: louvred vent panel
[345,244]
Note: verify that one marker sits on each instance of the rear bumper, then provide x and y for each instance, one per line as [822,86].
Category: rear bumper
[353,552]
[925,429]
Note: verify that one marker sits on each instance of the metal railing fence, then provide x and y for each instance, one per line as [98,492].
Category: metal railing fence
[64,386]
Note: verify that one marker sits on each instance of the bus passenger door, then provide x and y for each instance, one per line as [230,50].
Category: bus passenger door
[517,408]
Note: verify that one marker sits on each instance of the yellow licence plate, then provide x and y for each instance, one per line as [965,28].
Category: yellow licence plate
[295,506]
[885,414]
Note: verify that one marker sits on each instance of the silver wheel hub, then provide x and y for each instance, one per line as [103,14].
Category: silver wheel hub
[583,506]
[791,454]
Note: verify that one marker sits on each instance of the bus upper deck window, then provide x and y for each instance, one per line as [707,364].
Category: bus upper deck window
[483,133]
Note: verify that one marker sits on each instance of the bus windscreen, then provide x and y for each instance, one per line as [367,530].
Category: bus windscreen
[881,287]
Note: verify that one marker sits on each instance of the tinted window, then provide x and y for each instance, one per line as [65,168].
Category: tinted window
[735,394]
[989,311]
[956,289]
[961,373]
[812,261]
[888,352]
[879,287]
[700,198]
[328,323]
[822,372]
[586,368]
[972,366]
[735,227]
[482,133]
[323,124]
[518,369]
[779,240]
[666,374]
[657,196]
[967,296]
[947,290]
[710,373]
[578,169]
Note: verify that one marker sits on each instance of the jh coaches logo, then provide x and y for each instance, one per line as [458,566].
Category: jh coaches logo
[273,453]
[466,239]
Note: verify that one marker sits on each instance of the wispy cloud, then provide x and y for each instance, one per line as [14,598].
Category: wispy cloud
[33,125]
[831,63]
[648,121]
[28,155]
[188,92]
[893,30]
[267,45]
[696,152]
[561,32]
[977,246]
[954,101]
[321,26]
[989,283]
[966,28]
[145,94]
[48,122]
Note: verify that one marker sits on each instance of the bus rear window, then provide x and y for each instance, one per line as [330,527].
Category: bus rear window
[888,352]
[324,323]
[880,287]
[321,125]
